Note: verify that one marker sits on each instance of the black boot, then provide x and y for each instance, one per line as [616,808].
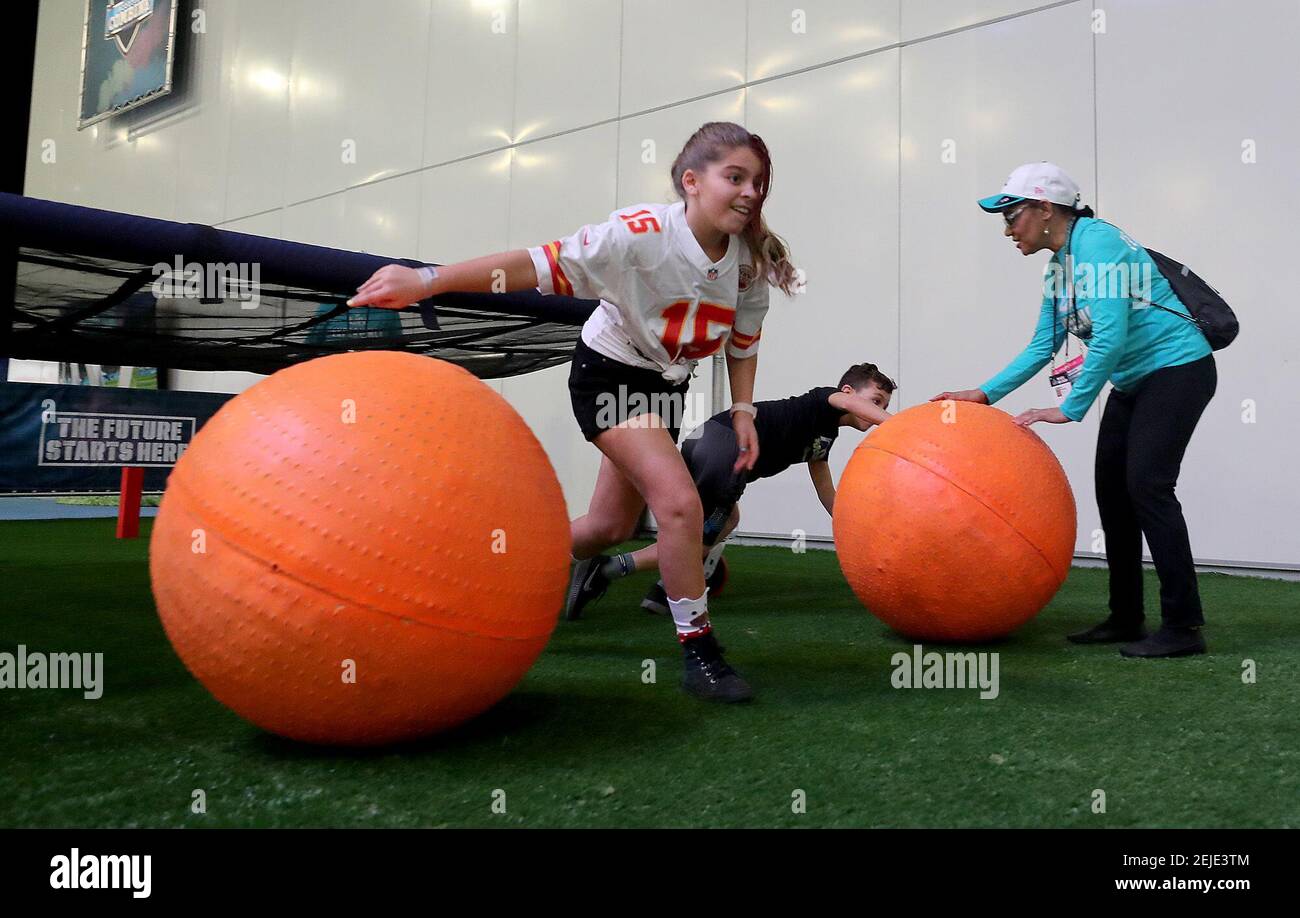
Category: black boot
[1167,642]
[1109,632]
[707,674]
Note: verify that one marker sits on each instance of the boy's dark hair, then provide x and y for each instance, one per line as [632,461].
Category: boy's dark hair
[861,375]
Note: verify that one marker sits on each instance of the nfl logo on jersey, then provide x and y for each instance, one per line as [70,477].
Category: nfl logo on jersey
[712,274]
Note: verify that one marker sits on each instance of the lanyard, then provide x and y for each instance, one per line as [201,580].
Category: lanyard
[1067,260]
[1067,371]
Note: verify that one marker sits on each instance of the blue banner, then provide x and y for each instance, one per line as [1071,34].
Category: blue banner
[77,439]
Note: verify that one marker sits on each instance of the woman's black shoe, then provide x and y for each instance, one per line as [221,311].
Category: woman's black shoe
[1108,632]
[1167,642]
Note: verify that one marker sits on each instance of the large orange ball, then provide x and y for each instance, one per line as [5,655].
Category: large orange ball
[952,523]
[360,549]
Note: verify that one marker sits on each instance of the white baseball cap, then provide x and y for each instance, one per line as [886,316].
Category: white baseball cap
[1035,182]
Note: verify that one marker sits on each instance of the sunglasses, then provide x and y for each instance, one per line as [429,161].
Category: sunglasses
[1011,216]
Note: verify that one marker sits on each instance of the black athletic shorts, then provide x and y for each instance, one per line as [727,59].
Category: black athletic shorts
[605,393]
[710,453]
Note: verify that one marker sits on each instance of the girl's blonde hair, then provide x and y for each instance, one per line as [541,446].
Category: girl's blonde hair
[710,144]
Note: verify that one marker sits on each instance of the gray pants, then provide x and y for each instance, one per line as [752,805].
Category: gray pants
[710,453]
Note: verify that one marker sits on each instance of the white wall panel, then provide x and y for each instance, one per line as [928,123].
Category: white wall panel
[33,371]
[317,222]
[211,381]
[786,36]
[269,224]
[833,135]
[470,102]
[969,299]
[383,218]
[259,108]
[678,49]
[133,172]
[465,208]
[567,74]
[358,83]
[930,17]
[202,133]
[1188,188]
[559,184]
[57,168]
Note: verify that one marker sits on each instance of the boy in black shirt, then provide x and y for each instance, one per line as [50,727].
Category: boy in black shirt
[790,431]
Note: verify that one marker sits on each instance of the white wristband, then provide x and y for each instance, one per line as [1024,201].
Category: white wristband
[745,407]
[427,274]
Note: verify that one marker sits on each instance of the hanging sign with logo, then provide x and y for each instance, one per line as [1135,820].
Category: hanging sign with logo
[127,56]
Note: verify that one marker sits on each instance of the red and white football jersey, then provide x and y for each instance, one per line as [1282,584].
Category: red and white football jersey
[663,304]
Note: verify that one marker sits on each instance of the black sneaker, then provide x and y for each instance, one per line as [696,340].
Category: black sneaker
[1167,642]
[656,599]
[708,676]
[1109,632]
[586,585]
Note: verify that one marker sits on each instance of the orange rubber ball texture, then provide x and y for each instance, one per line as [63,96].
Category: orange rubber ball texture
[361,549]
[958,531]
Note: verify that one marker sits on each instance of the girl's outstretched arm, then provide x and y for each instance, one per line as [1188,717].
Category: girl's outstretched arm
[396,287]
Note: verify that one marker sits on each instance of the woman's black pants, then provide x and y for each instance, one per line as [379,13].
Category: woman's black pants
[1140,447]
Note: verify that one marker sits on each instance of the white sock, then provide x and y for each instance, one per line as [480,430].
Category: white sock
[691,616]
[712,558]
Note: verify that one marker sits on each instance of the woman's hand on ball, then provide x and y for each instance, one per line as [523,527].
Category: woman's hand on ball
[391,287]
[1034,415]
[746,440]
[963,395]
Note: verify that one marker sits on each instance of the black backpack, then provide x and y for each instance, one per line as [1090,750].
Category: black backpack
[1209,312]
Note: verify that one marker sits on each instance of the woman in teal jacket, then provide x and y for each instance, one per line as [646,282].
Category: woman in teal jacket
[1103,288]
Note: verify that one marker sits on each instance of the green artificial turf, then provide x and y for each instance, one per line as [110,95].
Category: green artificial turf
[583,741]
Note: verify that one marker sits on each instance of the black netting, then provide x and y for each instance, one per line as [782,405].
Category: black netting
[91,287]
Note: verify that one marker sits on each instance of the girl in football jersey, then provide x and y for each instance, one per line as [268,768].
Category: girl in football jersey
[676,283]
